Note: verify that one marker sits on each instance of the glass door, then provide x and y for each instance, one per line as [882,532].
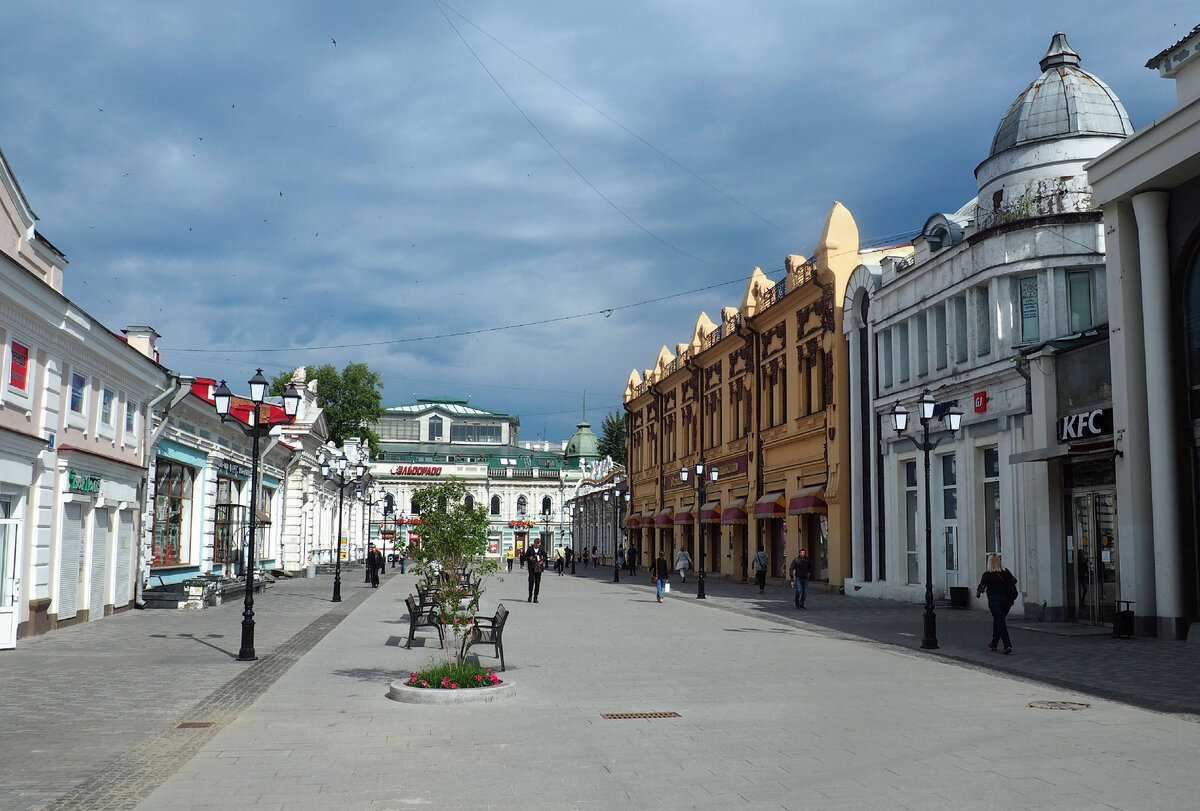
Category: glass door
[10,582]
[1092,571]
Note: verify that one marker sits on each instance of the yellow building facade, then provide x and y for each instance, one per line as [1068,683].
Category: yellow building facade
[758,395]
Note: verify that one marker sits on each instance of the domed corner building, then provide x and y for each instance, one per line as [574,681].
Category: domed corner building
[1149,189]
[524,485]
[1001,314]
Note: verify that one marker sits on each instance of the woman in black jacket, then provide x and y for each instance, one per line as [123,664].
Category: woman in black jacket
[995,582]
[661,573]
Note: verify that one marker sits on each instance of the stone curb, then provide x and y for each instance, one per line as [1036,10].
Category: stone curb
[399,691]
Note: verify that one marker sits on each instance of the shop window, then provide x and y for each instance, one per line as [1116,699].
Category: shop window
[910,522]
[983,321]
[1079,300]
[228,517]
[1027,308]
[18,367]
[78,387]
[172,512]
[939,336]
[991,501]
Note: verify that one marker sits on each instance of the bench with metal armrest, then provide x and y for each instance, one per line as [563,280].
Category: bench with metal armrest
[419,617]
[488,631]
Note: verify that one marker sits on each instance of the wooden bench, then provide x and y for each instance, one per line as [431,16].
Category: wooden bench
[488,631]
[420,618]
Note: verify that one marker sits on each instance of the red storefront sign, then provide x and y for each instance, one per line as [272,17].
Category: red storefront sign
[417,470]
[980,402]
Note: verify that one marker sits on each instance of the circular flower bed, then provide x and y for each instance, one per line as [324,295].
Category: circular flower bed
[453,677]
[467,683]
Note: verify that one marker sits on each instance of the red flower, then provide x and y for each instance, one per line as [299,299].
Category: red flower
[454,687]
[478,677]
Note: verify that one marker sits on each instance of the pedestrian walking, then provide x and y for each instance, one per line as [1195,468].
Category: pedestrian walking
[801,572]
[586,557]
[761,562]
[369,564]
[374,565]
[621,557]
[595,557]
[1001,588]
[570,559]
[522,556]
[560,561]
[631,558]
[509,555]
[660,574]
[682,562]
[535,557]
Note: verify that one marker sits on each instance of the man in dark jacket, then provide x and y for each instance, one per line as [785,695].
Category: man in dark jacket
[535,564]
[800,572]
[375,565]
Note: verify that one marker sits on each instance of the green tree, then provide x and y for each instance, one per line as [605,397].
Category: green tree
[450,557]
[352,399]
[612,437]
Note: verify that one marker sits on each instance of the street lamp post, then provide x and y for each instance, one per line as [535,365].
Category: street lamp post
[701,485]
[616,504]
[367,496]
[953,419]
[255,426]
[338,465]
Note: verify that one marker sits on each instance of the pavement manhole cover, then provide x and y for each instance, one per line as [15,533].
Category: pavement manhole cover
[1058,705]
[613,716]
[194,725]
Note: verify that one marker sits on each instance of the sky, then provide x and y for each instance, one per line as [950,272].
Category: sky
[517,203]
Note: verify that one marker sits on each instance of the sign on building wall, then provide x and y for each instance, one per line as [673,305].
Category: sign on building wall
[1085,424]
[82,482]
[417,470]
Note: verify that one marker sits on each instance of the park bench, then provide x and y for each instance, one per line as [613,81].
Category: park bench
[418,618]
[488,631]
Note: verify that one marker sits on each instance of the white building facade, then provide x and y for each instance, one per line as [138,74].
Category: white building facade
[1002,313]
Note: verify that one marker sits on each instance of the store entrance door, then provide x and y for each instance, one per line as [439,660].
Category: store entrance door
[1092,567]
[10,582]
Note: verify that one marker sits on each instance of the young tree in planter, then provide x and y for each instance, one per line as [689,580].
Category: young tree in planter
[451,557]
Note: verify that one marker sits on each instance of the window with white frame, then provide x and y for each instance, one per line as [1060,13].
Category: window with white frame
[1079,300]
[885,358]
[940,338]
[18,366]
[960,329]
[910,522]
[949,471]
[130,417]
[107,396]
[983,321]
[78,392]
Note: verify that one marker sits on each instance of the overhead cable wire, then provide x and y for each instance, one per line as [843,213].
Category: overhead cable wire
[559,153]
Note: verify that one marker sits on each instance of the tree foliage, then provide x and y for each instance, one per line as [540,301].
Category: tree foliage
[612,437]
[352,399]
[450,556]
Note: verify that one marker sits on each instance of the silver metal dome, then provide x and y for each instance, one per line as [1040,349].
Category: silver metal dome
[1065,101]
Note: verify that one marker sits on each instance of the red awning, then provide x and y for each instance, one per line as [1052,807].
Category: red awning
[710,513]
[770,506]
[633,521]
[686,515]
[735,513]
[663,518]
[807,500]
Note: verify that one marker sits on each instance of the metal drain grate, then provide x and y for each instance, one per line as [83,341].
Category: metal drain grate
[613,716]
[194,725]
[1074,706]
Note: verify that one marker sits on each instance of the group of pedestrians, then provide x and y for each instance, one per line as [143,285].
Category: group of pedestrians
[375,566]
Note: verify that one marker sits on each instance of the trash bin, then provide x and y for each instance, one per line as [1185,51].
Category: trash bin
[960,597]
[1123,621]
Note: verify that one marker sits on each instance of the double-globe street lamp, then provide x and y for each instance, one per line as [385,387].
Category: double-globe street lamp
[953,419]
[367,497]
[338,465]
[615,496]
[700,484]
[255,424]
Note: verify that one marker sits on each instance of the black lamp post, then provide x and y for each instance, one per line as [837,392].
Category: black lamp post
[953,419]
[256,425]
[701,485]
[616,504]
[339,465]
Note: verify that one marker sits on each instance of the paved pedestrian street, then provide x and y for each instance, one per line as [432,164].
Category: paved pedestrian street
[777,708]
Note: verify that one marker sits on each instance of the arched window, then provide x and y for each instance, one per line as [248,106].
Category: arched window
[469,501]
[547,506]
[522,505]
[412,507]
[495,505]
[435,428]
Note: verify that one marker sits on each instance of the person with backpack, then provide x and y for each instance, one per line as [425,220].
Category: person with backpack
[1001,588]
[761,564]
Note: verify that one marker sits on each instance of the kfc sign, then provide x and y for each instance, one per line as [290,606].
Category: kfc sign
[1085,425]
[417,470]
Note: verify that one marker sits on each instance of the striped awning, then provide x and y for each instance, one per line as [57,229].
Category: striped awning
[664,517]
[735,513]
[807,500]
[634,521]
[770,505]
[686,515]
[710,513]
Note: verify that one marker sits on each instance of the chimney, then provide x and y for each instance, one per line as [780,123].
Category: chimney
[144,340]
